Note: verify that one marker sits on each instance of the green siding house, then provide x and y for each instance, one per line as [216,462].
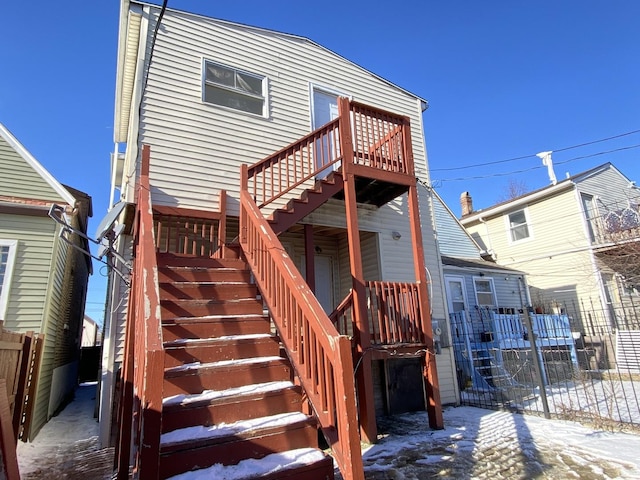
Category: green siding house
[43,280]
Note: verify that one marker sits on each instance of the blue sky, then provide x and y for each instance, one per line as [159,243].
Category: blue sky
[504,79]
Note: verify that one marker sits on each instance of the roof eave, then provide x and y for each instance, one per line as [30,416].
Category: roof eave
[30,159]
[128,41]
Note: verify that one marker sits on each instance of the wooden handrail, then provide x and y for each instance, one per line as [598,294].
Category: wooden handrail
[295,164]
[341,316]
[378,142]
[320,356]
[143,365]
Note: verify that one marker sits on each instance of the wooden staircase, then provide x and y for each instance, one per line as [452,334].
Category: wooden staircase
[230,402]
[310,199]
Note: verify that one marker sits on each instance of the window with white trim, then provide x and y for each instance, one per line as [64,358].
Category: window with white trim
[485,296]
[7,259]
[518,226]
[232,88]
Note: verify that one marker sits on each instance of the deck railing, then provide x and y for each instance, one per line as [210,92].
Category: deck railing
[511,327]
[378,141]
[191,232]
[320,356]
[393,312]
[140,415]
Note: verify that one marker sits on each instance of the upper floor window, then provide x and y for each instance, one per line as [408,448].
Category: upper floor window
[518,227]
[589,207]
[233,88]
[7,257]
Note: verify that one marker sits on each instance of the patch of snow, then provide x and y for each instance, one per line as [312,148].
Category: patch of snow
[208,395]
[222,430]
[195,341]
[251,468]
[221,363]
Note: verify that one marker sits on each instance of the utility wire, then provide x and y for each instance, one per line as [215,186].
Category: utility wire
[533,155]
[537,167]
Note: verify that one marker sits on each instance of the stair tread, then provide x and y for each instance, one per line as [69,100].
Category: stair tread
[236,429]
[185,342]
[222,317]
[221,363]
[256,468]
[209,395]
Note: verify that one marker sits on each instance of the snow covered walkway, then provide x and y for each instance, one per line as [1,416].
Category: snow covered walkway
[477,444]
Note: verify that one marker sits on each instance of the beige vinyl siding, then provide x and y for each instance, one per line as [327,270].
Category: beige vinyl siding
[122,297]
[555,225]
[197,148]
[19,179]
[444,361]
[557,258]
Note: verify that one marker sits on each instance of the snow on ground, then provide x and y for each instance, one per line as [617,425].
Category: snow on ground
[617,400]
[476,444]
[67,446]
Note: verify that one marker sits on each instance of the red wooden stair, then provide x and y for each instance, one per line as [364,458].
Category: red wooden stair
[230,404]
[309,200]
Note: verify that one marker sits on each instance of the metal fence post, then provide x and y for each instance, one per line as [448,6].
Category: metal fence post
[537,366]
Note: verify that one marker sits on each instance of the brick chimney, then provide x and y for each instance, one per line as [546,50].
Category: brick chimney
[466,203]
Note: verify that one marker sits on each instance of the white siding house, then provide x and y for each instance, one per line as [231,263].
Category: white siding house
[217,95]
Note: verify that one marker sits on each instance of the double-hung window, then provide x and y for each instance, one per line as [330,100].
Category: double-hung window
[485,296]
[518,226]
[232,88]
[7,258]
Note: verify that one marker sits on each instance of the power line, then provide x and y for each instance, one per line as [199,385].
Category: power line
[513,172]
[533,154]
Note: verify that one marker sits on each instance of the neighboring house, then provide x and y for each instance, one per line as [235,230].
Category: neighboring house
[90,332]
[484,300]
[571,238]
[227,111]
[43,281]
[471,281]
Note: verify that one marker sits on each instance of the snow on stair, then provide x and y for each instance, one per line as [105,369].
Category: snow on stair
[221,363]
[200,432]
[252,468]
[194,341]
[208,395]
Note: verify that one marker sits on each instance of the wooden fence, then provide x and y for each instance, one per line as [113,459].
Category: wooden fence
[19,362]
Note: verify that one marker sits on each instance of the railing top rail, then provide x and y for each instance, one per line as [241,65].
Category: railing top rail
[357,106]
[251,169]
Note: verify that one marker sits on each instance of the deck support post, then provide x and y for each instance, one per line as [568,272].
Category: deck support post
[432,386]
[309,257]
[361,333]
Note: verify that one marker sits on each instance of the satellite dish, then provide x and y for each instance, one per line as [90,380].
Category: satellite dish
[109,219]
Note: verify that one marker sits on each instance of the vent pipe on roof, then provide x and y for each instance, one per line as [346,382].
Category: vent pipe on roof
[466,203]
[547,162]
